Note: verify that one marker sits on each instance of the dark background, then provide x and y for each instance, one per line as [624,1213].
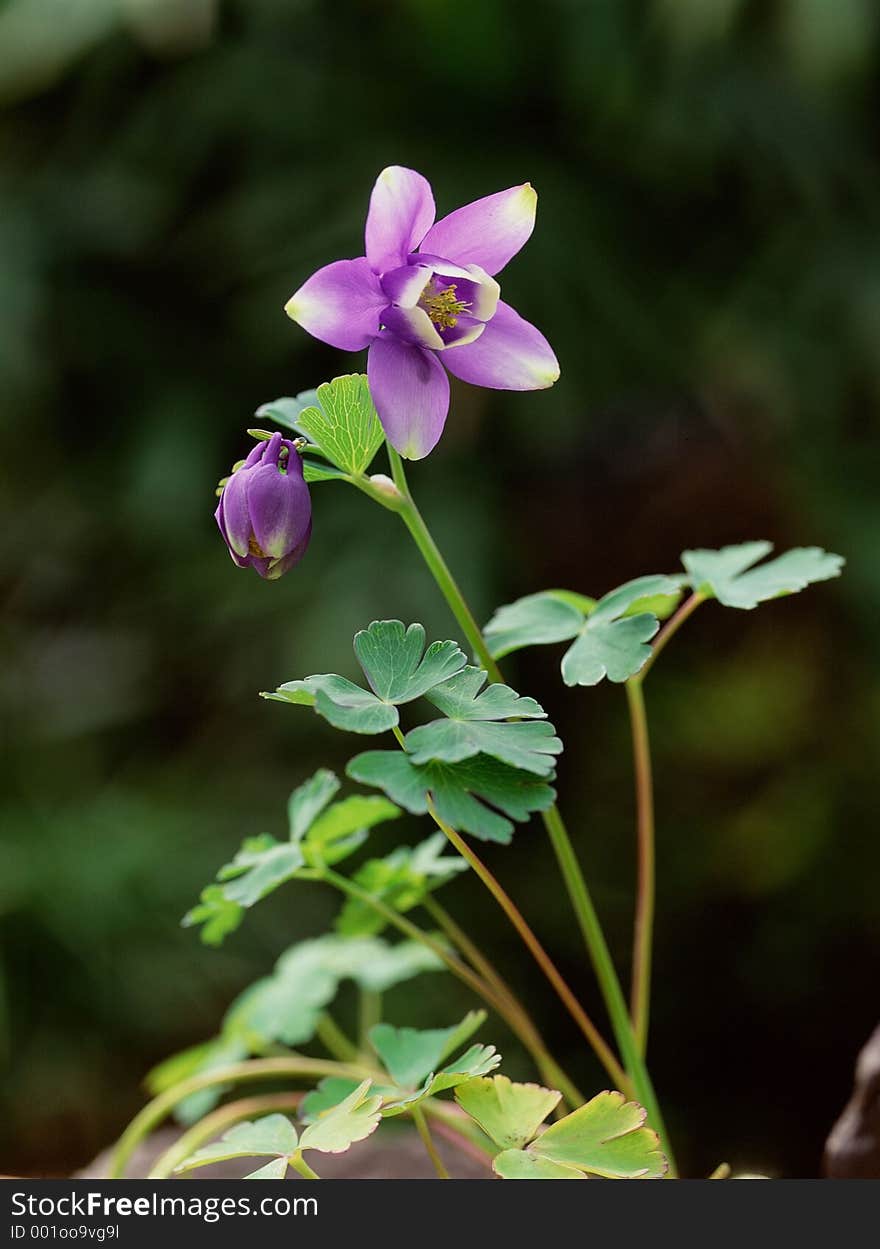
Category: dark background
[707,266]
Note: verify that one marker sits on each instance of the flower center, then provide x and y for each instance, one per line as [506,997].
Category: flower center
[442,306]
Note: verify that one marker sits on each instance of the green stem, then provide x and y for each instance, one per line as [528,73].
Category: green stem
[547,1065]
[427,1140]
[370,1013]
[215,1124]
[576,885]
[439,569]
[254,1069]
[643,935]
[499,1002]
[298,1162]
[335,1040]
[537,951]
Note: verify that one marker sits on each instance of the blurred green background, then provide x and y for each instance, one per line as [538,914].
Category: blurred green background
[707,265]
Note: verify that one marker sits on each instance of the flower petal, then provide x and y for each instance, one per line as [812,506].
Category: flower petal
[272,569]
[340,304]
[280,508]
[232,515]
[411,392]
[413,325]
[510,355]
[401,213]
[404,286]
[487,232]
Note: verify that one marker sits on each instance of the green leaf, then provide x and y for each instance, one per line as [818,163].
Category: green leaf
[402,880]
[394,664]
[342,703]
[218,915]
[274,1170]
[353,1119]
[261,865]
[329,1093]
[409,1055]
[470,795]
[519,1164]
[318,835]
[342,421]
[611,635]
[612,643]
[314,470]
[396,668]
[478,1061]
[286,1005]
[605,1137]
[535,620]
[285,413]
[308,800]
[272,1135]
[729,576]
[510,1114]
[469,729]
[344,827]
[388,965]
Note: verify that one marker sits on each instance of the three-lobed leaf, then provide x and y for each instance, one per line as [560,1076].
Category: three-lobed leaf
[480,796]
[273,1135]
[510,1114]
[610,637]
[351,1120]
[606,1137]
[476,724]
[409,1055]
[734,577]
[397,667]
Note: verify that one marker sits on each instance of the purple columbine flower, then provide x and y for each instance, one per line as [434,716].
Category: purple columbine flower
[265,512]
[425,294]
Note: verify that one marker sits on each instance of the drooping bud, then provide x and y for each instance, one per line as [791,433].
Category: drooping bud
[265,512]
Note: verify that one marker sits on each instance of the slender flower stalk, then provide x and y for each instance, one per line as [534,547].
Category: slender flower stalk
[578,892]
[215,1124]
[298,1162]
[646,888]
[439,569]
[450,1130]
[427,1140]
[334,1039]
[509,1010]
[547,1065]
[673,624]
[540,955]
[643,935]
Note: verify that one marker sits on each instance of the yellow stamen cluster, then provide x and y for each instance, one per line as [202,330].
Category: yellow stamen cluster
[442,306]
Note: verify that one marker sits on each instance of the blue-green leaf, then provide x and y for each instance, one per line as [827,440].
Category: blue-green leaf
[397,667]
[471,795]
[729,575]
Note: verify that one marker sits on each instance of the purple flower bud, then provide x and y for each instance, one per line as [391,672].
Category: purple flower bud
[265,512]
